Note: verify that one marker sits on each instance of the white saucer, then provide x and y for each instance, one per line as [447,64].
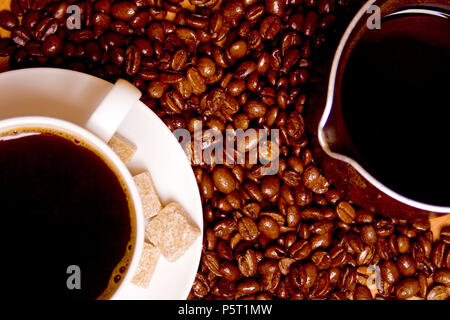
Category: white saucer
[72,96]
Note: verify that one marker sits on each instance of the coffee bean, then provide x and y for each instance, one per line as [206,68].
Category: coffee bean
[313,180]
[402,244]
[252,191]
[123,10]
[384,227]
[206,67]
[407,288]
[233,10]
[200,286]
[79,36]
[244,69]
[368,234]
[132,60]
[247,263]
[223,180]
[321,227]
[247,287]
[172,101]
[300,250]
[362,293]
[275,252]
[308,274]
[179,59]
[271,275]
[406,265]
[8,20]
[45,28]
[20,36]
[225,228]
[196,81]
[389,272]
[438,254]
[347,280]
[229,271]
[170,78]
[438,293]
[321,259]
[310,24]
[421,225]
[270,27]
[445,235]
[275,7]
[102,6]
[16,8]
[423,284]
[211,261]
[268,227]
[52,46]
[247,228]
[255,109]
[101,21]
[345,212]
[238,49]
[442,276]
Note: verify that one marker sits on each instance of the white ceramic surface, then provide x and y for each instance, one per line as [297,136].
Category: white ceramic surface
[73,96]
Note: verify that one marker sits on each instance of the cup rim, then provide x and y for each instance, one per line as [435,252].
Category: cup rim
[327,111]
[101,146]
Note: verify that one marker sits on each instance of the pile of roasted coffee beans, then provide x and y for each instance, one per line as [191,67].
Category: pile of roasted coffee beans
[234,65]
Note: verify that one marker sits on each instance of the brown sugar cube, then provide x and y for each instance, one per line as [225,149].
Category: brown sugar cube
[172,231]
[146,267]
[151,204]
[123,147]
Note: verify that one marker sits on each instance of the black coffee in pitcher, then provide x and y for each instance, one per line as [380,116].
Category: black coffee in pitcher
[395,102]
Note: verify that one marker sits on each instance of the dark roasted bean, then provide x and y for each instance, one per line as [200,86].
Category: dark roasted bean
[132,60]
[247,263]
[389,272]
[52,46]
[123,10]
[442,276]
[229,271]
[269,227]
[248,228]
[362,293]
[270,27]
[20,36]
[368,234]
[45,28]
[247,287]
[406,265]
[438,293]
[276,7]
[407,288]
[8,20]
[233,10]
[345,212]
[225,228]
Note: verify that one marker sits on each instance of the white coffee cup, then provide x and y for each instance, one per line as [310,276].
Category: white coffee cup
[99,129]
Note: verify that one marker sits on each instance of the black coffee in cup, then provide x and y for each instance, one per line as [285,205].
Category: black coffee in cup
[395,100]
[68,222]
